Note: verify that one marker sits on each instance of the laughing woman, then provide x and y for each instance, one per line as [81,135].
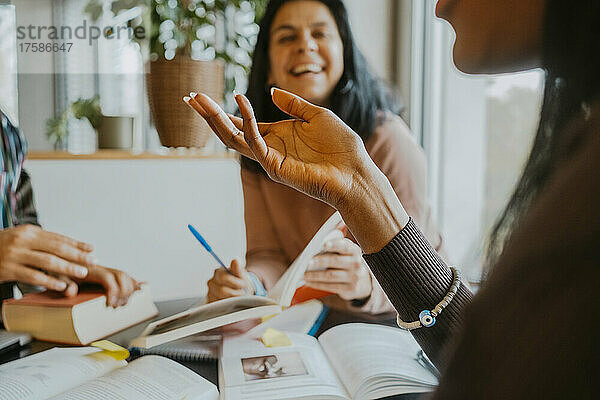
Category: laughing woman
[307,48]
[532,330]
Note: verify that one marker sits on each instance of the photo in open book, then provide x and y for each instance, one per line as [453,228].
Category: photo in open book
[273,366]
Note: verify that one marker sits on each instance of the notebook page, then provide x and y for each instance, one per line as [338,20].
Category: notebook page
[361,353]
[45,374]
[147,378]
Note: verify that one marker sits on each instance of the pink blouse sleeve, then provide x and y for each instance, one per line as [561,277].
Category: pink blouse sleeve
[264,255]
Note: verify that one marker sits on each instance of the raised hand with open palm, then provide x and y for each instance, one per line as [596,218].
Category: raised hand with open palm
[316,153]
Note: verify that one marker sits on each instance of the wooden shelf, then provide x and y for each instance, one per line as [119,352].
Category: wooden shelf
[128,155]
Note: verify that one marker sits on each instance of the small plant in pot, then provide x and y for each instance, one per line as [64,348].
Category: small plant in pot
[114,132]
[57,128]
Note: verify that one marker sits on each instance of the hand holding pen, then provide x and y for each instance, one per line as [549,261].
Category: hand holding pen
[225,282]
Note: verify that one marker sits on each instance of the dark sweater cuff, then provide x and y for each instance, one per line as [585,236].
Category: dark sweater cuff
[415,278]
[409,268]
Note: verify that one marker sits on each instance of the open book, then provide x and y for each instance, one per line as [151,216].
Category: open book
[89,373]
[351,361]
[234,309]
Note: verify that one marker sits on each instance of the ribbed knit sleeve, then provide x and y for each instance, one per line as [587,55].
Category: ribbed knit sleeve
[415,278]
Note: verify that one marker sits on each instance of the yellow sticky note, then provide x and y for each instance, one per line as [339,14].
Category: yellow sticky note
[111,349]
[274,338]
[267,317]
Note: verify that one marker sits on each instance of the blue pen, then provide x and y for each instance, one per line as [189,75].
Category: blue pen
[203,242]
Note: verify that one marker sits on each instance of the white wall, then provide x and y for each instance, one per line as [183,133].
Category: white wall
[136,214]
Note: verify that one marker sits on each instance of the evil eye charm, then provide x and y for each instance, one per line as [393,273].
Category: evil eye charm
[427,320]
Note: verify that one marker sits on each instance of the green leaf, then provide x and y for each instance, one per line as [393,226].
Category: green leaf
[56,128]
[94,9]
[119,5]
[90,109]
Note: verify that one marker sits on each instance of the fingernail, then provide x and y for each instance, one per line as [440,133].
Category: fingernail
[92,260]
[60,286]
[186,99]
[193,95]
[81,272]
[113,301]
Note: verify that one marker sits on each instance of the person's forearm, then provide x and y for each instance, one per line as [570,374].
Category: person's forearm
[373,212]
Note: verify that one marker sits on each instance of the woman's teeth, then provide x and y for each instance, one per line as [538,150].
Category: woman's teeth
[303,68]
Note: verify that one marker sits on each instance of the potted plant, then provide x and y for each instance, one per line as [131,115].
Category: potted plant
[56,128]
[113,132]
[191,45]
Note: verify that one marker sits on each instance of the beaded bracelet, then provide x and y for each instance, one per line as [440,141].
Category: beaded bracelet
[426,317]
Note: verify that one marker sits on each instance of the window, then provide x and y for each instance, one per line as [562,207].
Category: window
[8,62]
[110,68]
[477,132]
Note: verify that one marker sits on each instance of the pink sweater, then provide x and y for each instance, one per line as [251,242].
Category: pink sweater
[280,221]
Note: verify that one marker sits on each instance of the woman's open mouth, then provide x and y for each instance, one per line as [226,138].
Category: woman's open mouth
[306,69]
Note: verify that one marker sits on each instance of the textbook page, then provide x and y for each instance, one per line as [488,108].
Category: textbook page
[205,317]
[286,286]
[206,312]
[147,378]
[252,371]
[376,361]
[45,374]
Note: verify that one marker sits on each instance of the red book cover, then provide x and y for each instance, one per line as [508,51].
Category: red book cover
[54,299]
[305,293]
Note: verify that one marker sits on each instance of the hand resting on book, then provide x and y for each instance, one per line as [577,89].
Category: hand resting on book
[31,255]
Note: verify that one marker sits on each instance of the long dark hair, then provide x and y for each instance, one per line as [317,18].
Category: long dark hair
[572,66]
[357,98]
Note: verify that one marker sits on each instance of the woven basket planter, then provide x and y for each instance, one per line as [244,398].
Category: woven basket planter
[168,82]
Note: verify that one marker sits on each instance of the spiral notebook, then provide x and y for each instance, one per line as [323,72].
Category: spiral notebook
[197,348]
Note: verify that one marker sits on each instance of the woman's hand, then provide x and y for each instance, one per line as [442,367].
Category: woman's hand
[223,284]
[318,154]
[340,270]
